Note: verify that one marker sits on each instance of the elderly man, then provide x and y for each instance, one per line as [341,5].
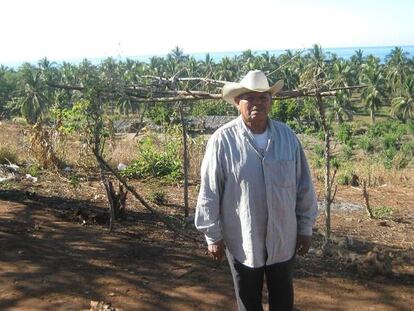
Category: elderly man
[256,203]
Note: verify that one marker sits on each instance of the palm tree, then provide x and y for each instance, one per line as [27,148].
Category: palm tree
[355,63]
[340,109]
[340,73]
[396,63]
[315,67]
[373,94]
[402,107]
[32,102]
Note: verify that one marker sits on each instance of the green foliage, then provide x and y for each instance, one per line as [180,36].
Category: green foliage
[284,110]
[346,153]
[74,180]
[388,157]
[319,151]
[212,108]
[367,144]
[73,119]
[158,197]
[343,179]
[404,156]
[389,140]
[335,163]
[161,114]
[390,126]
[344,134]
[296,126]
[33,169]
[155,163]
[382,211]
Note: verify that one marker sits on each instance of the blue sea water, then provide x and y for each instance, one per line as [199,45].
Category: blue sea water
[378,51]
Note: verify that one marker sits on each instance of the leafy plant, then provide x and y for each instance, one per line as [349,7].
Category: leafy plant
[33,169]
[346,153]
[158,197]
[74,180]
[382,211]
[155,163]
[343,179]
[344,134]
[367,144]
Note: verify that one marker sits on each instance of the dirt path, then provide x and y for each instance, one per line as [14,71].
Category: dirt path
[50,261]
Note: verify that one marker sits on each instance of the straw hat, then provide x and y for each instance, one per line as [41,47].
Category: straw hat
[254,81]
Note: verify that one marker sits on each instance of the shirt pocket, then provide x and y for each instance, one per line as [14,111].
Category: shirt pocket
[283,173]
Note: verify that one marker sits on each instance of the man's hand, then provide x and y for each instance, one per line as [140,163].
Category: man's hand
[216,250]
[303,242]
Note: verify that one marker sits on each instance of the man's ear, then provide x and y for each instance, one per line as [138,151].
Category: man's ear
[237,100]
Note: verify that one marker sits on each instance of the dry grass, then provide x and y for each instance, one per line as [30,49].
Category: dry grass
[124,148]
[13,143]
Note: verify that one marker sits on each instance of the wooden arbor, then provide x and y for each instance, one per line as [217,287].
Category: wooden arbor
[169,90]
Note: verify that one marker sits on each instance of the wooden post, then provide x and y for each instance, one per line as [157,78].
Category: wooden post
[98,149]
[185,161]
[366,198]
[327,156]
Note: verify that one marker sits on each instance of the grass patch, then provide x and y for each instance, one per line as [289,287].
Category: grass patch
[382,211]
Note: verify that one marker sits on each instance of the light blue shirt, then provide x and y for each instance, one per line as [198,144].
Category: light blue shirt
[256,203]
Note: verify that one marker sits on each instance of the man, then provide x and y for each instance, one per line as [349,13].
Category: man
[256,202]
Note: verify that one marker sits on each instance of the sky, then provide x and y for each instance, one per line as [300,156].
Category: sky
[77,29]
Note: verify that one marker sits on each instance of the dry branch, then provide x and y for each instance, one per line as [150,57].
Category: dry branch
[147,95]
[131,189]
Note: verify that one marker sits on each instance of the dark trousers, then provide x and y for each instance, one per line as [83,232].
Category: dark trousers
[248,285]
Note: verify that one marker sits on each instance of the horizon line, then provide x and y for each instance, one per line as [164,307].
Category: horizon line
[79,59]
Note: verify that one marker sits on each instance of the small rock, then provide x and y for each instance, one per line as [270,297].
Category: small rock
[31,178]
[121,166]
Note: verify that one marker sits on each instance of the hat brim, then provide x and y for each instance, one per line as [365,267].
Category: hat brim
[231,90]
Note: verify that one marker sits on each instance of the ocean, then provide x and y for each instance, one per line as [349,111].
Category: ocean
[378,51]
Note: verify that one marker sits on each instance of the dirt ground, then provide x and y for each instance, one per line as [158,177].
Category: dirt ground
[57,255]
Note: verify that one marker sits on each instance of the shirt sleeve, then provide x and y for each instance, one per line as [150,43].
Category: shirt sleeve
[207,215]
[306,202]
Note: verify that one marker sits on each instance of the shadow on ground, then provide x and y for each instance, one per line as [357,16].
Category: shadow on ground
[49,261]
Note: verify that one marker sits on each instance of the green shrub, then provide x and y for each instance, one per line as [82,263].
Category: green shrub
[296,126]
[390,126]
[284,110]
[344,134]
[382,211]
[33,169]
[367,144]
[74,180]
[410,126]
[158,197]
[319,151]
[389,140]
[388,157]
[155,163]
[343,179]
[346,153]
[335,163]
[404,156]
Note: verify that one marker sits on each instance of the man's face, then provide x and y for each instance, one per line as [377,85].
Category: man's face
[254,107]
